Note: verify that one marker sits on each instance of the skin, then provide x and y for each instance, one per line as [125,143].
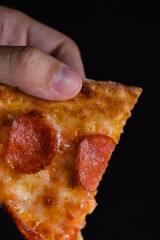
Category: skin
[38,59]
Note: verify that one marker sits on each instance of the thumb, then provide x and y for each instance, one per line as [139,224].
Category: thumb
[38,74]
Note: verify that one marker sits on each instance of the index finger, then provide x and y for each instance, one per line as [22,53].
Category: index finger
[19,29]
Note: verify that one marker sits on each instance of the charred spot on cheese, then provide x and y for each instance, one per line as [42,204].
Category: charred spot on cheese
[7,122]
[73,180]
[31,143]
[93,155]
[87,92]
[49,201]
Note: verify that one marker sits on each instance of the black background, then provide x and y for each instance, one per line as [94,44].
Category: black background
[119,40]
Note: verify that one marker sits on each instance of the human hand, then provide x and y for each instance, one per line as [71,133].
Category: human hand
[38,59]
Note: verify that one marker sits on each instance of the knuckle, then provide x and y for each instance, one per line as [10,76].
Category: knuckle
[23,60]
[73,45]
[28,59]
[69,42]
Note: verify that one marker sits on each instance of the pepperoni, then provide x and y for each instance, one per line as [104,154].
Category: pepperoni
[31,143]
[93,155]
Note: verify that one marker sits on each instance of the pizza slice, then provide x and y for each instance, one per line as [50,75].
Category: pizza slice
[53,155]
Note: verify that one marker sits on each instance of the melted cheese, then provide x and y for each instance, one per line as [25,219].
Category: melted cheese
[52,202]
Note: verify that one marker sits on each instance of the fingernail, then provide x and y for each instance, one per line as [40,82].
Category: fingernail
[67,81]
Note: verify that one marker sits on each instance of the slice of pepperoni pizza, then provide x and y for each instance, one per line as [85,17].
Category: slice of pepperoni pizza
[53,155]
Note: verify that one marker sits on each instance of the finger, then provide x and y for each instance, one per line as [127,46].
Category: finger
[19,29]
[57,44]
[38,74]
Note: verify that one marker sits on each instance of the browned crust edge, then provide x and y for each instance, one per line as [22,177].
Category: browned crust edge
[26,232]
[132,90]
[80,237]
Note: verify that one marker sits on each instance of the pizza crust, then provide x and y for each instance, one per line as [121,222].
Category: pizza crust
[80,237]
